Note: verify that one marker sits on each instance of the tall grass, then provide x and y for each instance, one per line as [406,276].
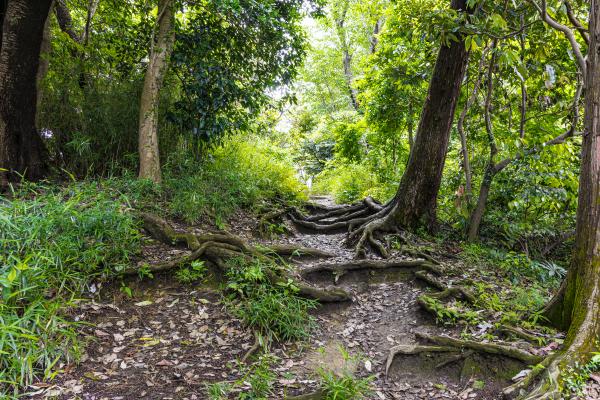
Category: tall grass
[52,243]
[237,175]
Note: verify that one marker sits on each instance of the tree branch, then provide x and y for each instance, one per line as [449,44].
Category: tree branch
[582,31]
[543,11]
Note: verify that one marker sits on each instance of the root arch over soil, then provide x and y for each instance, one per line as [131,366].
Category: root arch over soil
[216,248]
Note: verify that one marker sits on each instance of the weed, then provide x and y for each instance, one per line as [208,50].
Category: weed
[275,311]
[218,390]
[344,387]
[53,242]
[195,272]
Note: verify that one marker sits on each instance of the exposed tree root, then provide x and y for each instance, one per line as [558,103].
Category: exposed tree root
[412,349]
[295,251]
[267,220]
[338,270]
[446,292]
[258,339]
[218,247]
[518,389]
[486,348]
[463,348]
[509,330]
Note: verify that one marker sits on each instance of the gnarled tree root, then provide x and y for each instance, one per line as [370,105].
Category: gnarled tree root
[445,292]
[508,330]
[218,247]
[518,389]
[486,348]
[340,269]
[449,344]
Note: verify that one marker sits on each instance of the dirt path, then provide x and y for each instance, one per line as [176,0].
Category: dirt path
[169,340]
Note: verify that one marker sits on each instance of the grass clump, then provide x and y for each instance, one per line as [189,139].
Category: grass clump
[345,386]
[274,311]
[256,382]
[52,243]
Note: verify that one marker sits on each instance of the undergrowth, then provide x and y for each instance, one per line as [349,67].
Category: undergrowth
[53,242]
[576,377]
[274,311]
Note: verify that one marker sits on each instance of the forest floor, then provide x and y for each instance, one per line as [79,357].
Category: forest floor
[169,340]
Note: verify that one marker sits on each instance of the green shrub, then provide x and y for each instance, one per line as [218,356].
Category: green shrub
[52,243]
[196,271]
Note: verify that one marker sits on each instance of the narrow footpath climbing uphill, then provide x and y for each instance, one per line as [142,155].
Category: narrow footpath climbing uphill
[163,338]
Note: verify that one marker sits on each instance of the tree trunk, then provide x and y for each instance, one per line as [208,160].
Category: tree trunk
[375,37]
[44,64]
[3,4]
[415,201]
[22,151]
[580,293]
[340,21]
[577,304]
[477,214]
[157,66]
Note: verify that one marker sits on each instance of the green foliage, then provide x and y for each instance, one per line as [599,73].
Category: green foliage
[575,377]
[346,183]
[515,266]
[275,311]
[218,390]
[227,55]
[344,387]
[53,243]
[195,272]
[259,376]
[239,175]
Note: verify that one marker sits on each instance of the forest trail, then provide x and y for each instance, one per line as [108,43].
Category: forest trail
[169,339]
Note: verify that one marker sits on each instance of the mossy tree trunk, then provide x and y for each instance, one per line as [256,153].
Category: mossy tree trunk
[577,304]
[576,307]
[157,66]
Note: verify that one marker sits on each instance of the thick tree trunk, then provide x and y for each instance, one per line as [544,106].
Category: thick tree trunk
[415,201]
[157,66]
[44,64]
[22,151]
[3,4]
[577,305]
[580,293]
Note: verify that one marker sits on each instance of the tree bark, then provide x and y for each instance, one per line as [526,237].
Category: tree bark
[375,37]
[491,168]
[580,293]
[44,64]
[577,304]
[22,152]
[3,4]
[157,66]
[416,198]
